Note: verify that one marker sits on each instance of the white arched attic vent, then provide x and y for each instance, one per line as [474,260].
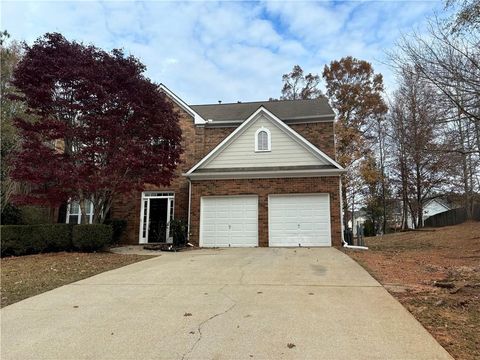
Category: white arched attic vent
[263,140]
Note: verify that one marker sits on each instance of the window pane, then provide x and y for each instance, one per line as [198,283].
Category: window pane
[145,218]
[73,219]
[89,207]
[74,208]
[262,140]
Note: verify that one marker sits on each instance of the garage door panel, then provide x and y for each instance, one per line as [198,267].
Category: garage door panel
[299,220]
[229,221]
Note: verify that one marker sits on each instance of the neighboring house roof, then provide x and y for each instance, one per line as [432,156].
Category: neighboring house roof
[440,202]
[286,110]
[323,166]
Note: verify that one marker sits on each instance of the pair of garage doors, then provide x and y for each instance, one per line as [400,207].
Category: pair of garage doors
[293,220]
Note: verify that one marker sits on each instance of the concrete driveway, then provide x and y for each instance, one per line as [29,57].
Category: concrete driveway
[220,304]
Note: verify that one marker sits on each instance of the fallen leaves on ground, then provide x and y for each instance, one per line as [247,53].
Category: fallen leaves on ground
[411,266]
[26,276]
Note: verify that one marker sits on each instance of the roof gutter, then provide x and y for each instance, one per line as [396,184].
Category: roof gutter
[290,120]
[263,174]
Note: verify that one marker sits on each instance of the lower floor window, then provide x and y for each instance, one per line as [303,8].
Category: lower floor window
[74,214]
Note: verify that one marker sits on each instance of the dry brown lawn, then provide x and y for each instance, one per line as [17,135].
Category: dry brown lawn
[409,264]
[25,276]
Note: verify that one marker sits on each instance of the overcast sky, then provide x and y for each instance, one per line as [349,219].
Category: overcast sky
[229,51]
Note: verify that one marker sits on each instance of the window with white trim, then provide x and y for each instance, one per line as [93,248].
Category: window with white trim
[263,140]
[74,215]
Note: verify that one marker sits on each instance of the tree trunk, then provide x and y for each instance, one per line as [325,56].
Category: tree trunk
[82,205]
[382,169]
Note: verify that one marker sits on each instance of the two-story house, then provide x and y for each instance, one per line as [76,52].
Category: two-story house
[252,174]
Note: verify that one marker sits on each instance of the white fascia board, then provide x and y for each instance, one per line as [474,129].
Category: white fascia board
[435,200]
[296,136]
[291,120]
[261,174]
[198,120]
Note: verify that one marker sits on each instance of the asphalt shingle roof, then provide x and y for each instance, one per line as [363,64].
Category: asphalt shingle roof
[283,109]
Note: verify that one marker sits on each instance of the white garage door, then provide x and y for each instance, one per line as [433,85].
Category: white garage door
[299,220]
[229,221]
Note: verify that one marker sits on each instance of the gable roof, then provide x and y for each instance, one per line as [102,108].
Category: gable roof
[293,110]
[439,201]
[197,118]
[333,165]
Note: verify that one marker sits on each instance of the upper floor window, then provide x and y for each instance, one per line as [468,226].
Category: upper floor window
[263,141]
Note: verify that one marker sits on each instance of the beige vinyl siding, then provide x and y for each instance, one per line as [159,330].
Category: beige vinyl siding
[284,151]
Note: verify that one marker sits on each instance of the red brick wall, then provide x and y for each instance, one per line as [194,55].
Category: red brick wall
[262,188]
[320,134]
[208,138]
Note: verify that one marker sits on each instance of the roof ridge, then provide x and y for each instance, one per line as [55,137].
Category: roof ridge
[260,101]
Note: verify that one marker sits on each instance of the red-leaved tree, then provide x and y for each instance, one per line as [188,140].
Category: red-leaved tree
[101,128]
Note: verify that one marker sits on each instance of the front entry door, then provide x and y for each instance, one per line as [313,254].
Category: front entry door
[155,215]
[157,220]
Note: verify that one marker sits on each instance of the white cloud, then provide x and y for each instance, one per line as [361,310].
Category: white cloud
[209,51]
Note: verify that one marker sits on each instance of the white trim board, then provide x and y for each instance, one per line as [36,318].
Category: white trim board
[287,129]
[265,174]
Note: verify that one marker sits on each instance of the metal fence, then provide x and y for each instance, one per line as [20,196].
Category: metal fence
[451,217]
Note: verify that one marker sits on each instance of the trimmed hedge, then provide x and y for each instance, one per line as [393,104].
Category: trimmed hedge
[20,240]
[11,215]
[91,237]
[33,239]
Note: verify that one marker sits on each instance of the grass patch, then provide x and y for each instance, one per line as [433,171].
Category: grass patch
[26,276]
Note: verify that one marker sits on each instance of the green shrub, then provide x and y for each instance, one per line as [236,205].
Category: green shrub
[179,232]
[91,237]
[59,236]
[35,215]
[33,239]
[118,226]
[11,215]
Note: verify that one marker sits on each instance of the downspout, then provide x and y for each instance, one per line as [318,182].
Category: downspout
[345,244]
[189,207]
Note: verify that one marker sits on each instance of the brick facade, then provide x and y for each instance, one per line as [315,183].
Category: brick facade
[320,134]
[197,142]
[263,188]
